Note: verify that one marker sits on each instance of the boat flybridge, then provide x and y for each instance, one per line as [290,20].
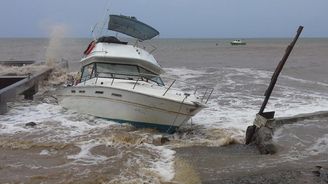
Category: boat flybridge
[122,82]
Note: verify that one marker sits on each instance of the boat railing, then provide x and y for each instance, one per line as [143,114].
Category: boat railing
[203,93]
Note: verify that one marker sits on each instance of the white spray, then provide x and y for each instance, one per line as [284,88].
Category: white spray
[55,52]
[55,48]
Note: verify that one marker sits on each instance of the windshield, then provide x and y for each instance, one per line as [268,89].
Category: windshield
[119,71]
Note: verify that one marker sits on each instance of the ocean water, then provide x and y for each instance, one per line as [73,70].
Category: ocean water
[68,147]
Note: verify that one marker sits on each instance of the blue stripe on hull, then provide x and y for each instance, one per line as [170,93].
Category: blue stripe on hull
[162,128]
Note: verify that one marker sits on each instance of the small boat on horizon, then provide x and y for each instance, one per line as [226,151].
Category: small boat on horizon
[238,42]
[123,83]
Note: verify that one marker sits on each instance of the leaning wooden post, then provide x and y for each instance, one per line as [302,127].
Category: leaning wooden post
[260,132]
[278,70]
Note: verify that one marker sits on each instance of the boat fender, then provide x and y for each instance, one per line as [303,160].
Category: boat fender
[91,46]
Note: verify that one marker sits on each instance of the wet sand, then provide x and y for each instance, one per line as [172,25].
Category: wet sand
[243,164]
[215,166]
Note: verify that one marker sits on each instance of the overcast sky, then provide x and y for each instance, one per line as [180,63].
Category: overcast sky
[172,18]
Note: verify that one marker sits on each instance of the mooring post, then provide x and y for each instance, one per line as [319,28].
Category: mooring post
[261,131]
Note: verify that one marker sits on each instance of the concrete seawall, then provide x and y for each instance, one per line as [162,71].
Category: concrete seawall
[301,117]
[12,86]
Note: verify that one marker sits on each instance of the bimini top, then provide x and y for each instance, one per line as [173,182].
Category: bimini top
[131,27]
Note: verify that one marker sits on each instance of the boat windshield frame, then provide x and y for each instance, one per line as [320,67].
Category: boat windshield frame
[118,71]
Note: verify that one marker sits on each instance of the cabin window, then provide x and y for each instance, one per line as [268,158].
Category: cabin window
[88,72]
[119,71]
[116,69]
[151,76]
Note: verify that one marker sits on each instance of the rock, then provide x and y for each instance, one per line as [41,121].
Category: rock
[164,140]
[264,142]
[30,124]
[160,141]
[322,173]
[264,134]
[50,100]
[262,137]
[250,134]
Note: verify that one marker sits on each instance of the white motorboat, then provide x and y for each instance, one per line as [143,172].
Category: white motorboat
[238,42]
[122,82]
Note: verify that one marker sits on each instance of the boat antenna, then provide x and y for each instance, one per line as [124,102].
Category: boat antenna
[93,31]
[99,32]
[105,18]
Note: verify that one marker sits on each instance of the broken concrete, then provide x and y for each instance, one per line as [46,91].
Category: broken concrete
[263,140]
[262,130]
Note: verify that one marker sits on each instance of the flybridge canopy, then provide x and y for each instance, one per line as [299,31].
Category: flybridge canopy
[132,27]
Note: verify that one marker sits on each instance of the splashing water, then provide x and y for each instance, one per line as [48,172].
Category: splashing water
[20,70]
[55,48]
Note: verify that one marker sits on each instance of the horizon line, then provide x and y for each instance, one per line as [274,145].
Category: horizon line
[158,38]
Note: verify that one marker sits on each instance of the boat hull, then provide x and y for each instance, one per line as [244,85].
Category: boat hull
[125,106]
[243,43]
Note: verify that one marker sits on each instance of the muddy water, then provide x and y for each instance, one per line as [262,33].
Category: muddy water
[68,147]
[65,147]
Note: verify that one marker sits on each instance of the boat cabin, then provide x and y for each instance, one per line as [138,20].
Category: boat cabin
[119,71]
[108,57]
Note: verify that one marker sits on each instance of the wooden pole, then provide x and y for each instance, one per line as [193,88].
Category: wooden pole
[278,70]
